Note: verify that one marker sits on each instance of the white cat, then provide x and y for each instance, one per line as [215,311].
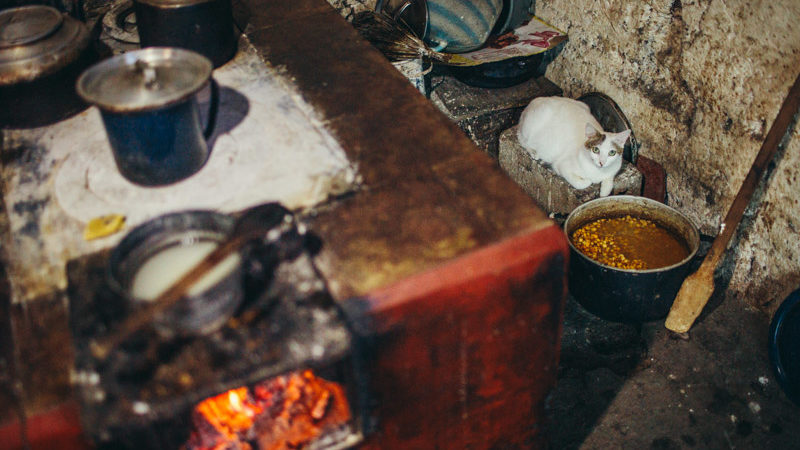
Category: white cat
[562,132]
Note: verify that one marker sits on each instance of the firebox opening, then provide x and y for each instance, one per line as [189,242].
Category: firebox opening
[300,409]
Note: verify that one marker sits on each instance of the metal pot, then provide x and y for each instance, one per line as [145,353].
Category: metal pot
[147,99]
[42,52]
[204,26]
[514,13]
[414,13]
[622,295]
[198,312]
[458,26]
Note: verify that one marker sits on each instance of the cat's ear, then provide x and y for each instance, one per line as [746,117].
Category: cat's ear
[621,137]
[591,131]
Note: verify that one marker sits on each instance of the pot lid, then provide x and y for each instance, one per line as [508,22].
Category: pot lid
[144,80]
[36,41]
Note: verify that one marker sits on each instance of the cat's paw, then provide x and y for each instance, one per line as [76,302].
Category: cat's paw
[605,187]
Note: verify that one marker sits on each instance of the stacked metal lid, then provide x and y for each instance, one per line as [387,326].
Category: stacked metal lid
[36,41]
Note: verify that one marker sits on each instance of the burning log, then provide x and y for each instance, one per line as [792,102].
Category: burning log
[285,412]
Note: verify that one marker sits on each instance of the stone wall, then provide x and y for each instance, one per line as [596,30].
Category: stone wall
[701,82]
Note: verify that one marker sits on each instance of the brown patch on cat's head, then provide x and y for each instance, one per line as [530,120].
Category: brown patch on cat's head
[595,140]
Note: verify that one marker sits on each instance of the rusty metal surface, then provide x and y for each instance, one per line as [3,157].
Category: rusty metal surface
[462,101]
[470,347]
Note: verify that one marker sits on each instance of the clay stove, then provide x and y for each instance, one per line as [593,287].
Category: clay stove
[294,369]
[439,313]
[279,374]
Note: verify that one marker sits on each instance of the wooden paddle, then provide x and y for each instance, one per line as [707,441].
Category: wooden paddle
[698,287]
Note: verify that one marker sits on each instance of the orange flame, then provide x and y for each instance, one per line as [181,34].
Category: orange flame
[230,413]
[283,412]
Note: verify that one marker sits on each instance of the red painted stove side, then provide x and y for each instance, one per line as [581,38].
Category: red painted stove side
[464,356]
[59,428]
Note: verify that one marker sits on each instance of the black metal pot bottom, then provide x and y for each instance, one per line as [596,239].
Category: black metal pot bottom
[501,74]
[46,100]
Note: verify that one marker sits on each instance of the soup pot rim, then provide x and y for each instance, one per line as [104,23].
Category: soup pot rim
[695,234]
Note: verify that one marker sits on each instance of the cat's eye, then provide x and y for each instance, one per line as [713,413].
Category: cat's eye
[612,152]
[595,150]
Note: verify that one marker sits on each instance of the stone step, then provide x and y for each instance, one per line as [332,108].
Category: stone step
[484,113]
[550,191]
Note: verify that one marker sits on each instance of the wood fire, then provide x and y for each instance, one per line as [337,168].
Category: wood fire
[285,412]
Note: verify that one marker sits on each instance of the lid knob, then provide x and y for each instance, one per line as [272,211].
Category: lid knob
[148,73]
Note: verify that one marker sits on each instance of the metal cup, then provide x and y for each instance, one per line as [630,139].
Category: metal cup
[148,103]
[204,26]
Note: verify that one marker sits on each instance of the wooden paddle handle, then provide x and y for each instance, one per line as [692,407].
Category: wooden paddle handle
[697,288]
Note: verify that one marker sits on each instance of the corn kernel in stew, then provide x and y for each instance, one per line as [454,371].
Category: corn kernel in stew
[629,242]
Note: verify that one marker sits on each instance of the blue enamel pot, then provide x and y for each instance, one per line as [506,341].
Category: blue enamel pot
[148,102]
[458,26]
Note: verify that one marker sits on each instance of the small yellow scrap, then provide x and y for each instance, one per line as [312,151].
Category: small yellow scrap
[103,226]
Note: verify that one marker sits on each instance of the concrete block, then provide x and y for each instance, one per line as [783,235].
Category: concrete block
[551,192]
[483,113]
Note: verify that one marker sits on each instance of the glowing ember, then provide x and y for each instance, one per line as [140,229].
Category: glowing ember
[285,412]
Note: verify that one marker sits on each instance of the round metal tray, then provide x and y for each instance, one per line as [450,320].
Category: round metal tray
[784,353]
[611,117]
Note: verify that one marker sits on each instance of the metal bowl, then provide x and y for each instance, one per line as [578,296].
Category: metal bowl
[784,354]
[414,13]
[623,295]
[196,314]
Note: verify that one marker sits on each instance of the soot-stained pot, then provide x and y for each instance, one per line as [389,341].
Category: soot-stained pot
[199,312]
[514,13]
[622,295]
[42,52]
[148,103]
[203,26]
[501,74]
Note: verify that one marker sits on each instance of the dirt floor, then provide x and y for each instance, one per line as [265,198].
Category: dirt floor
[641,387]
